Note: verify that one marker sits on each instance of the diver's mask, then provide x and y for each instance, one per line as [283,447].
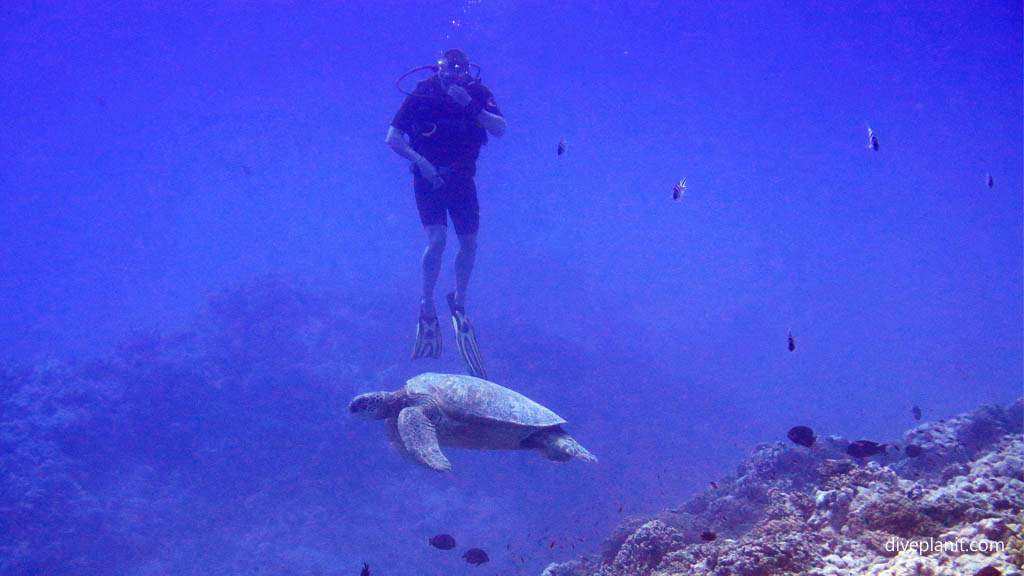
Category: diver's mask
[453,72]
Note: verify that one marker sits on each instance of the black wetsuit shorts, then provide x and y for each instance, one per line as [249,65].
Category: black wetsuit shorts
[456,197]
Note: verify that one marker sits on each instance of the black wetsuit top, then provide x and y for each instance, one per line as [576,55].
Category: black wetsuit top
[444,132]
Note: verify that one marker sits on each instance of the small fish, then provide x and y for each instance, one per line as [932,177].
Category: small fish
[563,147]
[680,189]
[801,435]
[714,485]
[989,181]
[443,542]
[552,544]
[620,508]
[708,536]
[872,139]
[366,570]
[916,410]
[913,450]
[792,343]
[475,556]
[865,448]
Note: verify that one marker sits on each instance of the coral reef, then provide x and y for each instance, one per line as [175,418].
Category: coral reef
[105,460]
[951,506]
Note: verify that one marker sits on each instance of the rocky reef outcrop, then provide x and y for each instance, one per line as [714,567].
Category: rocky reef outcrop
[946,501]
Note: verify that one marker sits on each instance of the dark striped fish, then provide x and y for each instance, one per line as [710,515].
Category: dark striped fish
[443,542]
[988,180]
[872,139]
[801,435]
[563,146]
[680,189]
[865,449]
[475,556]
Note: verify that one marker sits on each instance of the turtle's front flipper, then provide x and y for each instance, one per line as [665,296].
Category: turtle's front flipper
[465,339]
[420,439]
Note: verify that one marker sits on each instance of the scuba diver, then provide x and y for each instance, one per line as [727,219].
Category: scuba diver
[447,119]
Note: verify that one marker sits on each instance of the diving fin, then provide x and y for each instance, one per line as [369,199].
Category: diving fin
[465,339]
[428,337]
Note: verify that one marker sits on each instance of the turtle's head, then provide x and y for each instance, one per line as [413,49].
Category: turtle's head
[370,406]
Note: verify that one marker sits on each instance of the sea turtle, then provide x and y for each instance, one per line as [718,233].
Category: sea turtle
[434,410]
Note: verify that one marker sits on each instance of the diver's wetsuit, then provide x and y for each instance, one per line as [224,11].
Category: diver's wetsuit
[449,137]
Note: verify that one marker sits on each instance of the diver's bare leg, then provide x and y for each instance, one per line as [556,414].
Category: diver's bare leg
[464,261]
[436,234]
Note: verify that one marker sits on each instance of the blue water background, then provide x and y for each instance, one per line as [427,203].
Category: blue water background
[189,188]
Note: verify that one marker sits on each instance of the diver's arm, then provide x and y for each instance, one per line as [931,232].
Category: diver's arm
[491,122]
[397,142]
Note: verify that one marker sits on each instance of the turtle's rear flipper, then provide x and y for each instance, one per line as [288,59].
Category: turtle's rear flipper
[465,339]
[420,439]
[570,445]
[556,445]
